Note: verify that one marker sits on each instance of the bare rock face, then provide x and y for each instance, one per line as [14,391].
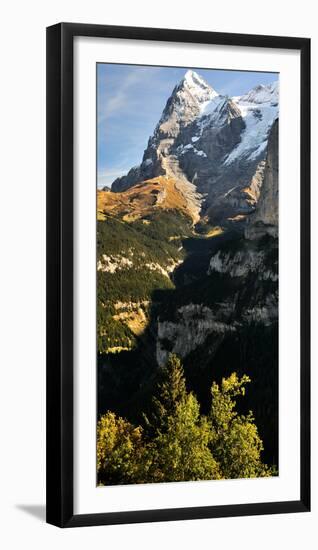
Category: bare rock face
[185,104]
[241,264]
[193,323]
[213,144]
[183,107]
[248,296]
[264,221]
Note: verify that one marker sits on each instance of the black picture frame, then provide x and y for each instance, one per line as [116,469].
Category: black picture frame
[60,242]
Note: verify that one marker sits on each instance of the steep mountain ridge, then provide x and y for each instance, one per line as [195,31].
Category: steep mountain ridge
[212,144]
[264,221]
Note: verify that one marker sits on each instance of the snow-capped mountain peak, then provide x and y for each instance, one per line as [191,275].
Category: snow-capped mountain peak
[187,101]
[212,145]
[192,79]
[261,94]
[197,87]
[259,109]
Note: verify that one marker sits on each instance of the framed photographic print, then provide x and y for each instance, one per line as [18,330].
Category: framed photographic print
[178,273]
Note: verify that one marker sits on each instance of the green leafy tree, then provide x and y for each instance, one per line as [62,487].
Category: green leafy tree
[120,456]
[180,444]
[235,442]
[179,450]
[182,453]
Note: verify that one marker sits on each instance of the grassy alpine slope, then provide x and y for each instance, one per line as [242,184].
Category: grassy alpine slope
[134,259]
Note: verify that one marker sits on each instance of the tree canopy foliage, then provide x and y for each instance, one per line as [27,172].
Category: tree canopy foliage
[176,442]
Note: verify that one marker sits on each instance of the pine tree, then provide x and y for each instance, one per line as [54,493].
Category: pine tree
[170,390]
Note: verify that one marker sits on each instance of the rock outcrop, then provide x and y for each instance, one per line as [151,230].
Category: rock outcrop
[246,274]
[192,325]
[264,221]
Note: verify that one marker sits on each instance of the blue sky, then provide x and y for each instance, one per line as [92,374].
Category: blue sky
[130,100]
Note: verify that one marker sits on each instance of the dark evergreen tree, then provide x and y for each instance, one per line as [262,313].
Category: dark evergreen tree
[169,392]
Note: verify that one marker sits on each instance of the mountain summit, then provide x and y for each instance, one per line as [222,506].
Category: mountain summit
[200,90]
[212,146]
[187,101]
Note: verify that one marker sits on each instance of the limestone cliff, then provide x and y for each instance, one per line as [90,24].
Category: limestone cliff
[240,289]
[264,221]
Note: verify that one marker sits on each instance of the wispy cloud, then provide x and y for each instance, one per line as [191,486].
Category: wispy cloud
[122,98]
[125,96]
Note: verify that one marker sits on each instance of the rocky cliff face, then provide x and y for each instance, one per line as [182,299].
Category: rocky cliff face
[246,275]
[248,271]
[244,270]
[212,144]
[192,325]
[264,221]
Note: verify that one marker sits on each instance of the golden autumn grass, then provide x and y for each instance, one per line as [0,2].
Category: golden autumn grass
[141,200]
